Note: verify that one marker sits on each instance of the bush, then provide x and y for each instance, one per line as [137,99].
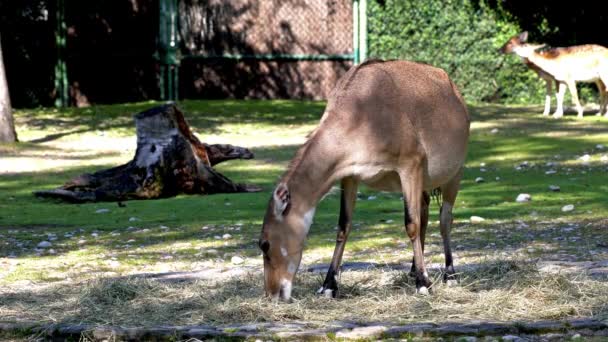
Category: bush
[462,37]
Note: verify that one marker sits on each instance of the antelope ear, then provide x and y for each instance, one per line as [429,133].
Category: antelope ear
[523,36]
[281,200]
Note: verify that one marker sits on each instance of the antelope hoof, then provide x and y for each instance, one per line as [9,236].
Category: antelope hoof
[423,284]
[450,279]
[558,115]
[423,291]
[327,292]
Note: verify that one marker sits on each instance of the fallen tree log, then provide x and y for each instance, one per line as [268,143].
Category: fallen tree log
[169,160]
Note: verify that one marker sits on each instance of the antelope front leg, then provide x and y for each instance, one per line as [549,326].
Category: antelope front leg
[559,112]
[549,88]
[412,188]
[347,205]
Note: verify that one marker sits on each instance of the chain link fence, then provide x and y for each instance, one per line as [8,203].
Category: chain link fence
[70,52]
[264,49]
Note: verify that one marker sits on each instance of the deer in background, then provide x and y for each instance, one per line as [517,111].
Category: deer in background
[565,66]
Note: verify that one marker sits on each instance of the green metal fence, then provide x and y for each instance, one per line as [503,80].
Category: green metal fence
[171,51]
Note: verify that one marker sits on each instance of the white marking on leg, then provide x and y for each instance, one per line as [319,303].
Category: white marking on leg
[283,251]
[425,274]
[422,291]
[291,268]
[329,293]
[307,219]
[285,289]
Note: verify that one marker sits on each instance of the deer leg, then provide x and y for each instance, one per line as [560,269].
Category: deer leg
[559,112]
[424,222]
[601,87]
[574,93]
[449,192]
[411,184]
[347,205]
[549,88]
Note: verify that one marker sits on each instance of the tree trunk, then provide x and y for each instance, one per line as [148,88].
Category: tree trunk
[7,125]
[169,160]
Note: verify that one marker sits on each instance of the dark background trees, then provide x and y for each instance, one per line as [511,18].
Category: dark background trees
[111,45]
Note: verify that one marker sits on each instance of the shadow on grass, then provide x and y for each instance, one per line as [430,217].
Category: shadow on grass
[203,116]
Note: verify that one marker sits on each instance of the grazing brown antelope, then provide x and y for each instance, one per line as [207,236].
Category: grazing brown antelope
[395,126]
[565,66]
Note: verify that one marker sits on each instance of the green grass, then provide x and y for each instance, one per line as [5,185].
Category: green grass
[185,233]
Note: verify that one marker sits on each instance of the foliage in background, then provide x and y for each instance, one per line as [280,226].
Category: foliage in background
[462,37]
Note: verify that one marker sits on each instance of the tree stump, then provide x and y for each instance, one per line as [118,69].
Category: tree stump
[169,160]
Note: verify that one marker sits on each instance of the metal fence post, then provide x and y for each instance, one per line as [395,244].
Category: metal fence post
[61,72]
[167,52]
[356,31]
[362,30]
[359,31]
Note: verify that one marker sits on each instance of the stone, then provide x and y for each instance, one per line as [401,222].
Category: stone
[102,211]
[479,180]
[585,158]
[567,208]
[237,260]
[600,146]
[554,188]
[550,172]
[44,244]
[523,198]
[476,219]
[494,130]
[133,219]
[374,331]
[371,198]
[226,236]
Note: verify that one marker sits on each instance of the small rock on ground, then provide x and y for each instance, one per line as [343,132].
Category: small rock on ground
[523,198]
[237,260]
[44,244]
[476,219]
[567,208]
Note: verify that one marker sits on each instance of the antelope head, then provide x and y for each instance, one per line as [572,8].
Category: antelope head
[282,239]
[514,42]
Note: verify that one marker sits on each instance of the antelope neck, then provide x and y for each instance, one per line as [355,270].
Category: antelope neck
[310,178]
